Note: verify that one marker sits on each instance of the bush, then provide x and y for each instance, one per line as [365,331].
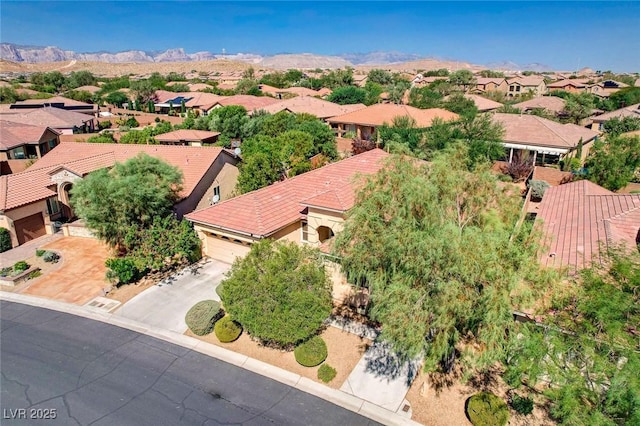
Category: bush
[50,256]
[35,274]
[122,269]
[312,352]
[202,317]
[486,409]
[104,125]
[131,122]
[5,240]
[5,272]
[20,266]
[227,330]
[40,252]
[326,373]
[538,188]
[522,405]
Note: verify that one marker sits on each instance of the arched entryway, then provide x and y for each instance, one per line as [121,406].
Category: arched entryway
[65,198]
[324,233]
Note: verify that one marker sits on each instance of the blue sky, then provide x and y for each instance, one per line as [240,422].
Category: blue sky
[564,35]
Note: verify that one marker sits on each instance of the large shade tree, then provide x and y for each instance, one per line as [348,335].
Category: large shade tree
[439,250]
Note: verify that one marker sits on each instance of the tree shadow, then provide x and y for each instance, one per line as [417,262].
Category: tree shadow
[383,361]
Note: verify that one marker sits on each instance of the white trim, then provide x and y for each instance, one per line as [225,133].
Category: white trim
[540,149]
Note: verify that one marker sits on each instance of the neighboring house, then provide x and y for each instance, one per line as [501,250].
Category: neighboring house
[605,88]
[630,111]
[312,105]
[249,102]
[491,84]
[291,91]
[483,104]
[31,201]
[63,121]
[57,102]
[420,81]
[360,79]
[23,141]
[530,84]
[546,141]
[188,137]
[551,104]
[307,209]
[580,219]
[365,121]
[570,85]
[198,102]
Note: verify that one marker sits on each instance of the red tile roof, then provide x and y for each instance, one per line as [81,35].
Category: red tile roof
[310,105]
[263,212]
[55,118]
[31,185]
[525,129]
[527,81]
[550,103]
[482,103]
[579,216]
[186,135]
[630,111]
[16,134]
[56,99]
[552,176]
[378,114]
[250,102]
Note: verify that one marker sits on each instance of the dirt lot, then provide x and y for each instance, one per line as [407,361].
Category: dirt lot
[345,350]
[440,401]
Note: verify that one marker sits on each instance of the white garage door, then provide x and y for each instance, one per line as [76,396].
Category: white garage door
[225,250]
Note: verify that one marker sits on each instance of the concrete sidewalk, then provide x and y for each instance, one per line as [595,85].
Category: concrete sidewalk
[26,250]
[165,304]
[337,397]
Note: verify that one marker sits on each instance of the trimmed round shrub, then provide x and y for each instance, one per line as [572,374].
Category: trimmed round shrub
[487,409]
[522,405]
[227,330]
[20,266]
[312,352]
[538,188]
[50,256]
[202,317]
[122,269]
[5,240]
[326,373]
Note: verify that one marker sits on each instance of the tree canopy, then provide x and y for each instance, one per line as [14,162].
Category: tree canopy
[279,292]
[615,162]
[346,95]
[435,245]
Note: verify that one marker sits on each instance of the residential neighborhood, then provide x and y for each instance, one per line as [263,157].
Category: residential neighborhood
[315,238]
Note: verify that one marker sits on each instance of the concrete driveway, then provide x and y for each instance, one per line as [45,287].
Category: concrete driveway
[165,304]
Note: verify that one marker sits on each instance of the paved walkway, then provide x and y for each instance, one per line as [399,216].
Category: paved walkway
[27,250]
[165,304]
[381,378]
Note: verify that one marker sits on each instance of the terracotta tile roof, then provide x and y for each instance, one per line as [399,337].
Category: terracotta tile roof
[15,134]
[186,135]
[324,92]
[483,104]
[550,103]
[552,176]
[528,81]
[30,185]
[630,111]
[55,118]
[310,105]
[267,210]
[487,80]
[378,114]
[250,102]
[532,130]
[300,91]
[579,216]
[577,83]
[55,99]
[195,87]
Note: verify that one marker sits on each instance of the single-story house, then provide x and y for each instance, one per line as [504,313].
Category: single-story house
[572,85]
[483,104]
[33,200]
[546,141]
[306,209]
[580,218]
[630,111]
[364,122]
[312,105]
[491,84]
[57,102]
[188,137]
[551,104]
[605,88]
[63,121]
[22,141]
[249,102]
[531,84]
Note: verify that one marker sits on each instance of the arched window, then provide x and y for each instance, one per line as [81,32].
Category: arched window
[324,233]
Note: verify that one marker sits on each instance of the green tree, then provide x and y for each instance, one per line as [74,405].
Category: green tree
[80,95]
[143,90]
[397,90]
[323,137]
[374,90]
[460,105]
[442,72]
[229,121]
[279,292]
[55,79]
[578,107]
[337,78]
[259,170]
[615,162]
[424,97]
[5,240]
[625,97]
[587,349]
[616,126]
[8,95]
[346,95]
[491,74]
[462,78]
[380,76]
[81,78]
[435,245]
[248,86]
[131,194]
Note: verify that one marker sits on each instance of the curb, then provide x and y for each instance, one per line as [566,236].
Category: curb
[335,396]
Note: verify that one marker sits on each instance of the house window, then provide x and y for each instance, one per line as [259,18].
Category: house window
[305,232]
[17,153]
[52,143]
[216,195]
[517,88]
[512,88]
[53,207]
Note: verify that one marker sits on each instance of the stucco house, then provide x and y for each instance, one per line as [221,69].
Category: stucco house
[20,141]
[630,111]
[544,141]
[312,105]
[364,122]
[188,137]
[33,200]
[59,102]
[491,84]
[550,104]
[63,121]
[306,209]
[531,84]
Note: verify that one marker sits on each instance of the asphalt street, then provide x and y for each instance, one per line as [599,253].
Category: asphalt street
[85,372]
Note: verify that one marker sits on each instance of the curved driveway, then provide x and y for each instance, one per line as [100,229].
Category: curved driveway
[88,372]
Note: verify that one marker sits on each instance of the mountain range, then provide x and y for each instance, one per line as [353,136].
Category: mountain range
[39,54]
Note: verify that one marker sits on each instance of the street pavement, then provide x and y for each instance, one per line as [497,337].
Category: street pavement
[82,371]
[164,305]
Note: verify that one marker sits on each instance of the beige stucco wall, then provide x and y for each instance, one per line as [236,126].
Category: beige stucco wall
[318,217]
[7,219]
[291,233]
[226,180]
